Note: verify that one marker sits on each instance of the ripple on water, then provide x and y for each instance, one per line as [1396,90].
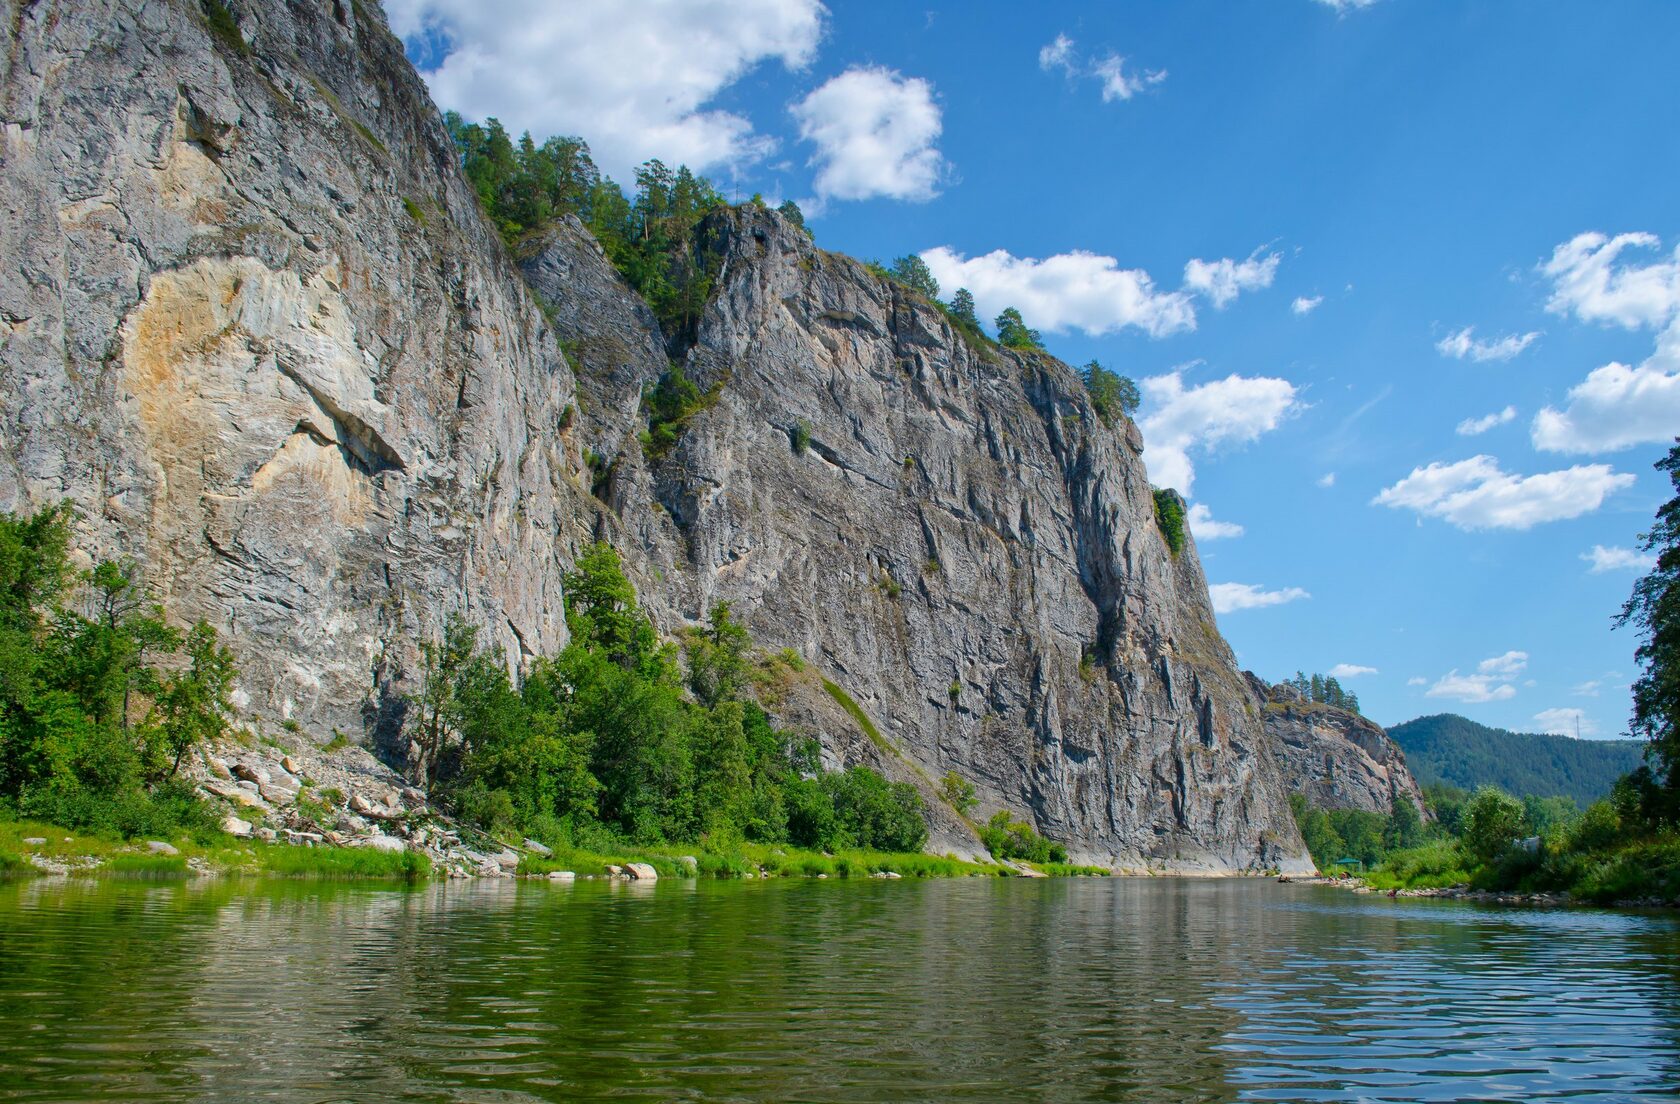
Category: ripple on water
[790,991]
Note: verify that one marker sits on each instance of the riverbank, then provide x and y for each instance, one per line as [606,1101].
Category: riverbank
[34,848]
[1467,892]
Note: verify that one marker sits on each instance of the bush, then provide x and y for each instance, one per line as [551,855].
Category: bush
[1435,865]
[1008,838]
[958,792]
[1493,820]
[1169,518]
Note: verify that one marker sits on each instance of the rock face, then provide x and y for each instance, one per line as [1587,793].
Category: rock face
[1338,759]
[256,329]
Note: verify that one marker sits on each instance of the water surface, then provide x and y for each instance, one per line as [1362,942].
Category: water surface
[977,989]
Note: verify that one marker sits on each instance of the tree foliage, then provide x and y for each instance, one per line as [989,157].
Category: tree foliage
[1447,748]
[962,309]
[913,273]
[627,734]
[1324,690]
[1112,395]
[101,699]
[1654,609]
[1013,332]
[650,236]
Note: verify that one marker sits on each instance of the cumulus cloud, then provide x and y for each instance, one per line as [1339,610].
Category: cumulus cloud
[633,78]
[1489,682]
[1076,290]
[1588,282]
[1205,527]
[1328,479]
[1304,305]
[1605,559]
[874,130]
[1475,494]
[1235,410]
[1109,71]
[1588,689]
[1350,670]
[1221,280]
[1462,345]
[1474,427]
[1616,406]
[1565,722]
[1230,597]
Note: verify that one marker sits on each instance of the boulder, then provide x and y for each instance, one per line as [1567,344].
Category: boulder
[536,848]
[34,841]
[234,826]
[641,872]
[507,859]
[245,772]
[218,768]
[561,876]
[615,871]
[268,835]
[158,847]
[383,843]
[290,765]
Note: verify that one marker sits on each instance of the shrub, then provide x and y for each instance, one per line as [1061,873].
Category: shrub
[1008,838]
[958,792]
[800,438]
[1169,518]
[1492,822]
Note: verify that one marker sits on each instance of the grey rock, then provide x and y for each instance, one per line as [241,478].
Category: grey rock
[158,847]
[641,872]
[257,330]
[382,843]
[561,876]
[537,848]
[34,841]
[218,768]
[1335,758]
[234,826]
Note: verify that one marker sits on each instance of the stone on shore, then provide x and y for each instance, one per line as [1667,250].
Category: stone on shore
[641,872]
[158,847]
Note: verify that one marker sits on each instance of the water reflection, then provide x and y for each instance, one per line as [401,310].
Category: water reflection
[799,990]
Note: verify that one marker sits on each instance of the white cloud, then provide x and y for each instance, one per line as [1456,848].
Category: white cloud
[1078,290]
[1057,55]
[1117,84]
[1565,722]
[1417,682]
[1588,689]
[1304,305]
[1605,559]
[1616,407]
[1236,409]
[1587,282]
[633,78]
[1230,597]
[1488,684]
[1221,280]
[1475,494]
[1463,346]
[1328,479]
[1473,427]
[1507,665]
[1110,71]
[874,130]
[1205,527]
[1350,670]
[1342,7]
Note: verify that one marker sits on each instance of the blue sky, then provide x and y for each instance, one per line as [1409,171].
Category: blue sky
[1280,217]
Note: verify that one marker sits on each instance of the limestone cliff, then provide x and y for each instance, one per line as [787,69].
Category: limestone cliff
[1338,759]
[256,328]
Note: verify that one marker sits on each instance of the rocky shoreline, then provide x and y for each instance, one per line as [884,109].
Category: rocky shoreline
[1487,896]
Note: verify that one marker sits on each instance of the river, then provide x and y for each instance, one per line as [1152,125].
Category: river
[796,990]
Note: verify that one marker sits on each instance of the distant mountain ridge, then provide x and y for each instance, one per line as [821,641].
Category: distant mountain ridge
[1456,750]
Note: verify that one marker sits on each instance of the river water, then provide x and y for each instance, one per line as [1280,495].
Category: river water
[976,989]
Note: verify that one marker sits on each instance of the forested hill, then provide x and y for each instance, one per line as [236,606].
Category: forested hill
[1458,751]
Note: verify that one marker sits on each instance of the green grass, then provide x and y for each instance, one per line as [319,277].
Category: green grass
[144,866]
[858,715]
[13,865]
[342,863]
[1435,865]
[418,214]
[1071,870]
[773,859]
[223,26]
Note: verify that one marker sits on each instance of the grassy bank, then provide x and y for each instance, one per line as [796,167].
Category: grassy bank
[106,856]
[753,860]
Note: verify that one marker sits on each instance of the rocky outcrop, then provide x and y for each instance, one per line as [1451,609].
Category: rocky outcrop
[258,332]
[1337,759]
